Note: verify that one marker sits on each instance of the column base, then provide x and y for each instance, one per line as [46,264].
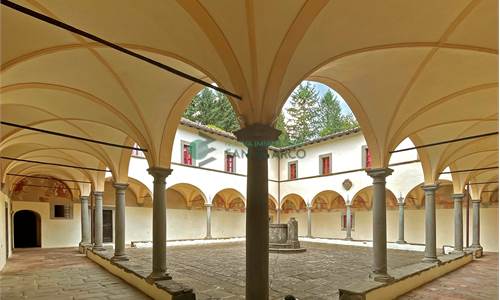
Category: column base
[431,260]
[477,250]
[98,248]
[457,252]
[348,239]
[121,257]
[208,237]
[401,242]
[381,277]
[157,276]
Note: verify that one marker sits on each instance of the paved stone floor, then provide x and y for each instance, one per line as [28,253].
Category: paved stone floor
[476,280]
[54,274]
[218,271]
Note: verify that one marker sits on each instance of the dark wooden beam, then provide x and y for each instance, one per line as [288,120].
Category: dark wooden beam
[446,142]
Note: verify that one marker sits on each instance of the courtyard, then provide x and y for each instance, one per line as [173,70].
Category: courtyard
[217,271]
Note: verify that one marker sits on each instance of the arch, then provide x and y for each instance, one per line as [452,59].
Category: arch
[192,196]
[293,202]
[327,200]
[27,229]
[272,204]
[229,199]
[363,199]
[415,199]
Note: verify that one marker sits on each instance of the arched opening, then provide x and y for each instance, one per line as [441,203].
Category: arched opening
[228,214]
[328,214]
[27,229]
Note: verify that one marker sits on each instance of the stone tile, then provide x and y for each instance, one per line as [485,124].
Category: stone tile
[54,274]
[476,280]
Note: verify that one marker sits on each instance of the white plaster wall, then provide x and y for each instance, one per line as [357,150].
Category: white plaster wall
[327,224]
[301,218]
[55,232]
[186,224]
[228,224]
[139,225]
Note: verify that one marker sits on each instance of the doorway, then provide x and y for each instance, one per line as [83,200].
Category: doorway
[107,225]
[27,229]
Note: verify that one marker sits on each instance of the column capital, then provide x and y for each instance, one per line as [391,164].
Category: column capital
[208,204]
[430,187]
[159,173]
[84,198]
[265,134]
[348,205]
[457,197]
[476,200]
[379,174]
[120,186]
[98,194]
[401,203]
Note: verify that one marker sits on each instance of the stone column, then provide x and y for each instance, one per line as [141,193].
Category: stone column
[278,215]
[348,219]
[159,224]
[84,200]
[209,221]
[257,138]
[309,221]
[379,269]
[98,222]
[120,189]
[459,225]
[430,254]
[401,229]
[476,204]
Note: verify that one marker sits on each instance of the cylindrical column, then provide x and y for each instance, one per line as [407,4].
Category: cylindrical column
[98,222]
[120,189]
[475,224]
[401,229]
[379,269]
[348,221]
[309,221]
[278,215]
[257,138]
[459,223]
[209,221]
[84,200]
[159,224]
[430,254]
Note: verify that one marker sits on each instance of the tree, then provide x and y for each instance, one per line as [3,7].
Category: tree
[284,138]
[331,118]
[212,109]
[303,123]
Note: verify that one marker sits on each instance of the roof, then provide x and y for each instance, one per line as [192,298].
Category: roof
[220,132]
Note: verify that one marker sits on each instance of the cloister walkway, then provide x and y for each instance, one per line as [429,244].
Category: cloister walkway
[477,280]
[63,273]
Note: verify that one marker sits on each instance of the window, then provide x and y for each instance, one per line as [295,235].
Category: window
[366,157]
[325,164]
[343,221]
[137,153]
[229,163]
[292,170]
[187,159]
[60,211]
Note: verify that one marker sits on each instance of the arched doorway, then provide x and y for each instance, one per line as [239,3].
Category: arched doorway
[27,229]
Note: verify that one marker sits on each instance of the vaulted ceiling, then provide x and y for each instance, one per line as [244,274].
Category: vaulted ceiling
[426,69]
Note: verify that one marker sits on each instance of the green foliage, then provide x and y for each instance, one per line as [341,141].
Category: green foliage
[284,138]
[331,118]
[212,109]
[303,112]
[308,116]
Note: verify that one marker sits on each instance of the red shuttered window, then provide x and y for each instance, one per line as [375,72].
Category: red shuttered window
[229,165]
[292,170]
[187,159]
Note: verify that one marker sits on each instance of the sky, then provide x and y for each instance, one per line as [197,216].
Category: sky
[322,89]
